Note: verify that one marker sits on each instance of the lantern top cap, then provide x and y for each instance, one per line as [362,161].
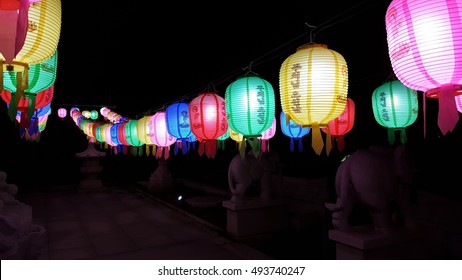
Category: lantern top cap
[311,45]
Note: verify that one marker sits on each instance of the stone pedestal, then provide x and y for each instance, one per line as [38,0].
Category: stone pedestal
[91,168]
[363,243]
[255,217]
[161,179]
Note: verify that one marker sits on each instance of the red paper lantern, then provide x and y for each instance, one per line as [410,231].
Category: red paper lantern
[207,117]
[342,124]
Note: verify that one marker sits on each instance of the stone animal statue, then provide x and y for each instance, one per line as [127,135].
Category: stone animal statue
[376,177]
[252,170]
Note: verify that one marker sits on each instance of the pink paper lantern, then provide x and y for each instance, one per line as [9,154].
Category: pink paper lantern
[425,48]
[160,135]
[62,113]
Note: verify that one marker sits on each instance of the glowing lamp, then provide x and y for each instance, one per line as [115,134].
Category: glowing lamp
[267,135]
[395,107]
[62,113]
[177,118]
[341,125]
[425,48]
[250,107]
[207,116]
[293,130]
[160,135]
[313,86]
[40,77]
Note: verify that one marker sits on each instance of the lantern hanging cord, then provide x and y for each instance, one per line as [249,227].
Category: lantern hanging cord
[284,47]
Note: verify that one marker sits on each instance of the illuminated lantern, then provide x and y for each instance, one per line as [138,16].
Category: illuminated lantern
[177,118]
[62,113]
[341,125]
[425,48]
[266,135]
[207,116]
[14,16]
[160,135]
[40,77]
[459,102]
[43,26]
[396,107]
[94,114]
[313,86]
[250,107]
[131,134]
[293,130]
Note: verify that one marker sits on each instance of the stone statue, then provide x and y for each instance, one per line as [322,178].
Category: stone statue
[19,237]
[375,177]
[252,170]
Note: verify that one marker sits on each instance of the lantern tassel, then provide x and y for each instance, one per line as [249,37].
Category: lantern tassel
[154,150]
[340,143]
[316,141]
[448,115]
[391,136]
[403,136]
[184,146]
[255,145]
[166,152]
[292,144]
[328,141]
[241,148]
[300,145]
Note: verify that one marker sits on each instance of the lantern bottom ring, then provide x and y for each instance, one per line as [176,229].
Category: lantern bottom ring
[435,93]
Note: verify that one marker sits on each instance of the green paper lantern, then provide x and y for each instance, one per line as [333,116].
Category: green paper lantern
[395,107]
[250,107]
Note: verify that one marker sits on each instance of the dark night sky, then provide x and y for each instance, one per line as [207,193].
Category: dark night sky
[139,58]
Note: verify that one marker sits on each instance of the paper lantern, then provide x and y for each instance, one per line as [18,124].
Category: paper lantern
[160,135]
[395,107]
[293,130]
[313,86]
[41,41]
[341,125]
[250,107]
[425,48]
[94,114]
[131,135]
[14,15]
[40,77]
[62,113]
[267,135]
[177,118]
[207,116]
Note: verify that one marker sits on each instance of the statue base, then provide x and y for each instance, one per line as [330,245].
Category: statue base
[161,179]
[363,243]
[249,217]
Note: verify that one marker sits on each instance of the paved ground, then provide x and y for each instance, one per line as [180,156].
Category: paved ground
[118,223]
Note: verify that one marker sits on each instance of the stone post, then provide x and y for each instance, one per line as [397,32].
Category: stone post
[90,168]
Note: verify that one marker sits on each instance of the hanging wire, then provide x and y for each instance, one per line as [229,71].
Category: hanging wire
[285,47]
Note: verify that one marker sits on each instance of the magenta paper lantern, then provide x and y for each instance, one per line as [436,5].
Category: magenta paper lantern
[266,135]
[62,113]
[425,48]
[207,116]
[160,135]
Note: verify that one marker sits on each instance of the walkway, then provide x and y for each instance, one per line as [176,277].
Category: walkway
[119,224]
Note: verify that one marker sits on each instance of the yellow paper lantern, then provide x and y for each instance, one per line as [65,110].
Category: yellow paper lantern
[313,85]
[43,32]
